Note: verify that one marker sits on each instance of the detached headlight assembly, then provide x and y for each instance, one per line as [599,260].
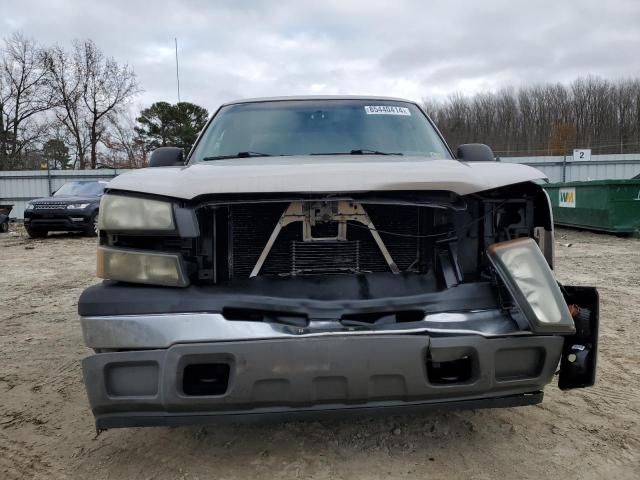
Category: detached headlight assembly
[123,213]
[137,266]
[532,284]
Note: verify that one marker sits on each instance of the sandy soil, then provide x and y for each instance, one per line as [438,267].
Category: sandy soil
[46,428]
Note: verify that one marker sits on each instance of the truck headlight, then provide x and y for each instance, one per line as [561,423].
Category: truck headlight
[138,266]
[532,284]
[77,206]
[123,213]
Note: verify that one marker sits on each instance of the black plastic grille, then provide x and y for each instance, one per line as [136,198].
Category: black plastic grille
[49,206]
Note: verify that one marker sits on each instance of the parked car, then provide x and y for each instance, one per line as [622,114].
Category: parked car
[5,210]
[74,207]
[321,254]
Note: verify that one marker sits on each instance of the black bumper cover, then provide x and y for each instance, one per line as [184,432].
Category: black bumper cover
[306,376]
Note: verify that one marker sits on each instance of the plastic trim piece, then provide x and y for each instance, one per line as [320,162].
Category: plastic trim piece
[124,420]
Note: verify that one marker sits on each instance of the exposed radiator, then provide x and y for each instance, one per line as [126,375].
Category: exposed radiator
[325,257]
[252,224]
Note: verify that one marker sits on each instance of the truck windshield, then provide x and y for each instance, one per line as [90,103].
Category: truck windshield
[319,127]
[80,189]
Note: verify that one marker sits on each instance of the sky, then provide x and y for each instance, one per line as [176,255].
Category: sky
[421,49]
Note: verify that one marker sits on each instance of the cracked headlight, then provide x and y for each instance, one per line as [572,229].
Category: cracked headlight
[531,282]
[123,213]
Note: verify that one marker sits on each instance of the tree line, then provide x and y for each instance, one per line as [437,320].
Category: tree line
[549,119]
[72,108]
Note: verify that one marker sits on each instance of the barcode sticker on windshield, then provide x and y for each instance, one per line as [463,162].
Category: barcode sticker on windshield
[386,110]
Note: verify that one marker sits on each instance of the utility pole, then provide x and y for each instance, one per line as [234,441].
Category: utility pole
[177,69]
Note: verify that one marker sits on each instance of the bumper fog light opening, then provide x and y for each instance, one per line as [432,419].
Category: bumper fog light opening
[449,372]
[205,379]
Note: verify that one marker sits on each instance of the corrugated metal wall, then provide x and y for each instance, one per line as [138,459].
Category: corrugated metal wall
[18,187]
[600,167]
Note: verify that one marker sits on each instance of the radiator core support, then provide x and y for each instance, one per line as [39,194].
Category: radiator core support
[311,214]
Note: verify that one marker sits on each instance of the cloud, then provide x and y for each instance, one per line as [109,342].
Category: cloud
[415,49]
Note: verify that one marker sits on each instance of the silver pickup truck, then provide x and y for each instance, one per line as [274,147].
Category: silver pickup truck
[327,254]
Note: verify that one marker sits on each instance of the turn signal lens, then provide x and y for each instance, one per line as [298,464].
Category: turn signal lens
[141,267]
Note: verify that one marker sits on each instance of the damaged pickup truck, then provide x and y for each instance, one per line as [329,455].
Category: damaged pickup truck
[323,254]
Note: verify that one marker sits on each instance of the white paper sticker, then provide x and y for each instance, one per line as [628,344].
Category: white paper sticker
[386,110]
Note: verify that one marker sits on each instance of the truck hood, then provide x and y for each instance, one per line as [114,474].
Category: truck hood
[326,173]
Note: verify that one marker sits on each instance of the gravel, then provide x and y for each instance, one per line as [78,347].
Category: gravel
[47,431]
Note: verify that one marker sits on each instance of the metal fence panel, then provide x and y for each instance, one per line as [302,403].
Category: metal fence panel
[600,167]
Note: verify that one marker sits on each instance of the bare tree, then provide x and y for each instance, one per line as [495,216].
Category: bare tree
[65,80]
[87,87]
[23,97]
[106,87]
[125,147]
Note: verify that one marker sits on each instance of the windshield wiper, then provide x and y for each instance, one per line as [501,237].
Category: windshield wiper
[366,151]
[359,151]
[237,155]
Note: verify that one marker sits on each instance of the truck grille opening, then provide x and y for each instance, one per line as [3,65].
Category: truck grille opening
[451,371]
[252,224]
[205,379]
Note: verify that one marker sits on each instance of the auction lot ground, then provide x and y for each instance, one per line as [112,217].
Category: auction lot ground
[46,429]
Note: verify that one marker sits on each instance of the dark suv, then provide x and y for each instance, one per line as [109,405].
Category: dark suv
[74,207]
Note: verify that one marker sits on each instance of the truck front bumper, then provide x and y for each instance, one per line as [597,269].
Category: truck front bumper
[194,383]
[169,356]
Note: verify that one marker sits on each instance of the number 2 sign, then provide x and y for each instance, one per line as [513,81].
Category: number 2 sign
[581,154]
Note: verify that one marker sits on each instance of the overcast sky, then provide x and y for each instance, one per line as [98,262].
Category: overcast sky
[415,49]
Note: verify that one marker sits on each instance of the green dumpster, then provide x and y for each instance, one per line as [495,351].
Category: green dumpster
[606,205]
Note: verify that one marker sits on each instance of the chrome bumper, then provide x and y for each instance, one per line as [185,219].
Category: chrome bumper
[161,331]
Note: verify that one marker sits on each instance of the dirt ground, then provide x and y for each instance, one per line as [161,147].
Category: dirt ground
[47,431]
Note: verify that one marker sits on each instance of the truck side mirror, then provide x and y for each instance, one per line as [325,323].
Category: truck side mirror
[167,157]
[475,152]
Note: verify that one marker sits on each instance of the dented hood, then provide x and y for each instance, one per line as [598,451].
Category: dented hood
[326,173]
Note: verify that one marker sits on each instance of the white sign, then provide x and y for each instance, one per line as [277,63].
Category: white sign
[567,198]
[386,110]
[580,154]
